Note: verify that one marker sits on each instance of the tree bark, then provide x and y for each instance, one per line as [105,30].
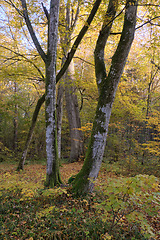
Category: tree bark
[68,24]
[73,115]
[107,85]
[15,122]
[59,112]
[53,176]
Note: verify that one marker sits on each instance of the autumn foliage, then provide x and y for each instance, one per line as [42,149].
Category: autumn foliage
[120,208]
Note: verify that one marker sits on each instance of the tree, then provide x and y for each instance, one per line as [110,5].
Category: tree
[67,25]
[53,176]
[107,86]
[49,59]
[60,73]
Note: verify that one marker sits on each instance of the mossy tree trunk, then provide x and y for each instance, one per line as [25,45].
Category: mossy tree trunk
[107,86]
[30,133]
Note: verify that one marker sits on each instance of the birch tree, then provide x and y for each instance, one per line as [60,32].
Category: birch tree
[107,86]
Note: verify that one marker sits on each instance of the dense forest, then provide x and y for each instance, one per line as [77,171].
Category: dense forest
[79,119]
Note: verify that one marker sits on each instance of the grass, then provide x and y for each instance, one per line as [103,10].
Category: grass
[29,211]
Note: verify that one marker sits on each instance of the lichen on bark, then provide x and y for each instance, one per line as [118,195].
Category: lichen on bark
[107,85]
[52,171]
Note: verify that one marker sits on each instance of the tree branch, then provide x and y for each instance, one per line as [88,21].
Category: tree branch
[28,60]
[85,61]
[45,11]
[155,64]
[148,5]
[31,31]
[73,21]
[13,5]
[149,21]
[78,40]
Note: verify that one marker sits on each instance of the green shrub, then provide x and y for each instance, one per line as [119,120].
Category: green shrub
[127,202]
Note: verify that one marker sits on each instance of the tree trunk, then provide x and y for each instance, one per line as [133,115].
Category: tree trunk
[107,85]
[73,116]
[59,112]
[146,128]
[52,177]
[68,24]
[15,123]
[30,133]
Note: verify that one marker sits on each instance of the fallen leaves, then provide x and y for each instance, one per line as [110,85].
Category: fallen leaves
[29,211]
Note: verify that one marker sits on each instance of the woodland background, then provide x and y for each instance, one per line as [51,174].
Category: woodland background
[133,142]
[134,126]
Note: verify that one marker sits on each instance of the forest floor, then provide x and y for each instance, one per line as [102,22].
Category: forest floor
[121,207]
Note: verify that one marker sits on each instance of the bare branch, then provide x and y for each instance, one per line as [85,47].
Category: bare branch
[13,5]
[148,5]
[32,33]
[149,21]
[28,60]
[85,61]
[45,11]
[78,40]
[73,21]
[155,64]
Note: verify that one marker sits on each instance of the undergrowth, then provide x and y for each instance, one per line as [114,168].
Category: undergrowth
[120,208]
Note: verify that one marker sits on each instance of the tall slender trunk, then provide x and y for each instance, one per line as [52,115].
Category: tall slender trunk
[146,128]
[73,116]
[59,111]
[30,133]
[53,176]
[107,85]
[15,122]
[73,113]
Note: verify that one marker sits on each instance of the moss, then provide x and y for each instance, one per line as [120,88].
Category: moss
[71,179]
[80,185]
[53,180]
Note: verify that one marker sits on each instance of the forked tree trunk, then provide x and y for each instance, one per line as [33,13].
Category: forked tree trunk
[52,175]
[107,85]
